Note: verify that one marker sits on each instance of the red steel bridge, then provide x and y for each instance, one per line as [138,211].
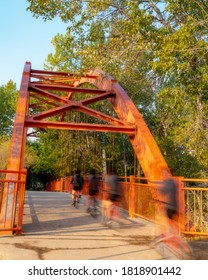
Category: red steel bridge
[44,87]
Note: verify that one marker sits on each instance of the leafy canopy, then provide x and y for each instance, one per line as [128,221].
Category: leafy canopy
[158,52]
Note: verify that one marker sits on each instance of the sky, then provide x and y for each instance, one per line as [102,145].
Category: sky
[23,38]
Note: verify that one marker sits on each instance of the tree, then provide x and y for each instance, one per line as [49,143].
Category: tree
[4,151]
[157,50]
[8,101]
[40,160]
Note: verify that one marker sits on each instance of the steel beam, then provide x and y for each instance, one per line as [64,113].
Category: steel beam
[67,88]
[16,155]
[130,130]
[45,89]
[146,149]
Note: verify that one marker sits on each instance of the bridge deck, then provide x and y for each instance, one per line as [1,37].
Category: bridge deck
[54,230]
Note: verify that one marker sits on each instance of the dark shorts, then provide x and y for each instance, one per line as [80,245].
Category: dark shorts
[114,197]
[77,188]
[92,192]
[171,213]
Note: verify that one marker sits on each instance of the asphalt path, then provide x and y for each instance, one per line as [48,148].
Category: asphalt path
[54,230]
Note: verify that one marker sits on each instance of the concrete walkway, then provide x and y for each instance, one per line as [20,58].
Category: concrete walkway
[54,230]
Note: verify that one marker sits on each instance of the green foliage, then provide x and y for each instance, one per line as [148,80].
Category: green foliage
[4,151]
[30,154]
[8,101]
[157,50]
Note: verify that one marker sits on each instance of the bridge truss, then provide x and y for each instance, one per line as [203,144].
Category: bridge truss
[55,92]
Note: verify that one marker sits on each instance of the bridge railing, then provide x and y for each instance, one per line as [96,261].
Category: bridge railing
[11,211]
[137,196]
[196,207]
[139,199]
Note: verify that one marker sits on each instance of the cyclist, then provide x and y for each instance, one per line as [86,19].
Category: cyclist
[77,182]
[93,190]
[111,206]
[169,198]
[171,235]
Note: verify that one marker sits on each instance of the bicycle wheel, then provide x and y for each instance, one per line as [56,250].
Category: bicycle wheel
[174,243]
[180,247]
[76,203]
[76,200]
[94,212]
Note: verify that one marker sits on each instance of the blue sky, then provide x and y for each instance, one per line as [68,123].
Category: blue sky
[23,38]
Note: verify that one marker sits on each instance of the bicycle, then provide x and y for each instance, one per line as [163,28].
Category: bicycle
[75,197]
[176,244]
[171,237]
[93,209]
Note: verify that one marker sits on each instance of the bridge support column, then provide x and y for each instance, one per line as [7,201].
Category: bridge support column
[12,196]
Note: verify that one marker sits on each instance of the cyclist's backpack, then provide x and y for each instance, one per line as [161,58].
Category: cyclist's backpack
[94,183]
[78,180]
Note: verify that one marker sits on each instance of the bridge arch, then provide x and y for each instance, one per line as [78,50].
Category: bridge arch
[43,86]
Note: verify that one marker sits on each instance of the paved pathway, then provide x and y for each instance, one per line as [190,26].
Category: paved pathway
[54,230]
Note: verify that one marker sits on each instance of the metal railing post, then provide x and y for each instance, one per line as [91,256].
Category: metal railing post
[21,190]
[132,197]
[181,200]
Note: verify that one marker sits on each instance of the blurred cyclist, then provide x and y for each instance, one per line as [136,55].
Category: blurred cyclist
[93,190]
[77,182]
[110,207]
